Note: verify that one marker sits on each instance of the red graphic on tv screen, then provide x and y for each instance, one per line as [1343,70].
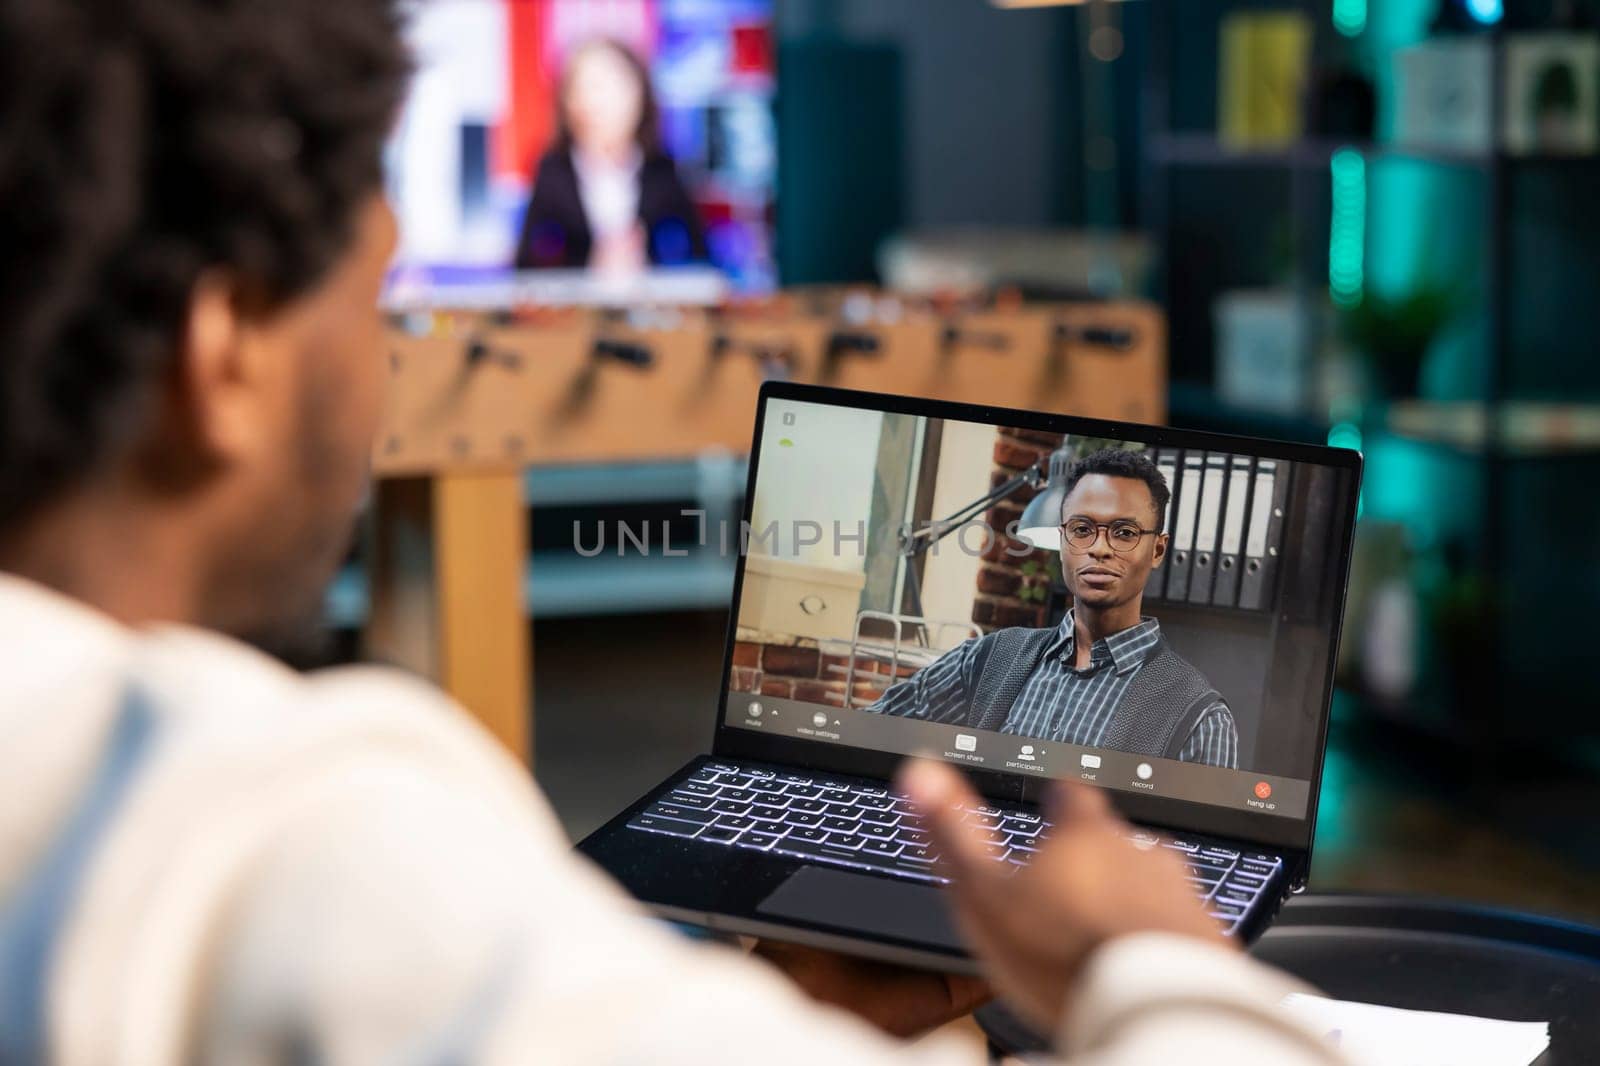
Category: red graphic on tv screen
[752,49]
[1263,790]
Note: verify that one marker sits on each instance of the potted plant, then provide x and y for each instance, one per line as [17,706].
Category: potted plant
[1394,333]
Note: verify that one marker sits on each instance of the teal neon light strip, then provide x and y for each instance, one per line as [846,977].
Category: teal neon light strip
[1347,239]
[1350,16]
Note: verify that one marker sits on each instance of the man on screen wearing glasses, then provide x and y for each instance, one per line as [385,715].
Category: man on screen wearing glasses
[1105,677]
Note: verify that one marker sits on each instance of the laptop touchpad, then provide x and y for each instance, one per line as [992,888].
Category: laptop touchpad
[874,906]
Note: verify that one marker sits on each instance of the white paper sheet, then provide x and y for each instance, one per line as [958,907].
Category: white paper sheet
[1388,1036]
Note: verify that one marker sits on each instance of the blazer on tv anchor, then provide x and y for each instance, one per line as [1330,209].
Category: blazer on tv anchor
[556,232]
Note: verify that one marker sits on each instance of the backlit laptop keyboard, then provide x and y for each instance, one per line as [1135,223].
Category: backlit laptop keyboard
[862,826]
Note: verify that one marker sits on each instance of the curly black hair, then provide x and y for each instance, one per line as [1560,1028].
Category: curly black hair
[143,142]
[1119,462]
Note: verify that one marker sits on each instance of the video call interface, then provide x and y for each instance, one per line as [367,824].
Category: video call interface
[1144,618]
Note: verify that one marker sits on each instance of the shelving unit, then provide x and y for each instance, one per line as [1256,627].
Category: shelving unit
[1502,440]
[1169,149]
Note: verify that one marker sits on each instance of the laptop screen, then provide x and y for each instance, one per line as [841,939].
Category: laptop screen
[1142,612]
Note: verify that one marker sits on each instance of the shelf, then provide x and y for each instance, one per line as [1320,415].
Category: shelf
[710,476]
[566,585]
[1203,150]
[1527,430]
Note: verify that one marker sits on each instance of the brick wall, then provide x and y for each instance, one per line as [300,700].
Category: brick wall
[798,668]
[1013,589]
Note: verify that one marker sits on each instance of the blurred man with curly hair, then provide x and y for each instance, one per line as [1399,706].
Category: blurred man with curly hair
[207,857]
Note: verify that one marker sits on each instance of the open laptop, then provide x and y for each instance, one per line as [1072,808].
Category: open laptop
[889,546]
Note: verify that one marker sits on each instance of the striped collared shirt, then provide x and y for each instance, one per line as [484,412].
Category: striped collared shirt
[1061,702]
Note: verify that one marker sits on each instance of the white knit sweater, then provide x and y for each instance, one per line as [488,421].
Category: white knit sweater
[344,866]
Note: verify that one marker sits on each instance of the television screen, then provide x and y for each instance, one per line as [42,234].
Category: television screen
[587,138]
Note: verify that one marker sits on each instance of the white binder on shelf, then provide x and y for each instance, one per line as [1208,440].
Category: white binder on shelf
[1263,534]
[1168,462]
[1208,527]
[1182,552]
[1230,558]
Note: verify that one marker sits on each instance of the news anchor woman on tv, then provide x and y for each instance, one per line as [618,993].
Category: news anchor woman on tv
[607,196]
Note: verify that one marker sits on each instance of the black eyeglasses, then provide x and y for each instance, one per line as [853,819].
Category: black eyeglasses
[1123,535]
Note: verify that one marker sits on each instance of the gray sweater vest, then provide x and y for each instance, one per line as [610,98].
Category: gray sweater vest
[1159,708]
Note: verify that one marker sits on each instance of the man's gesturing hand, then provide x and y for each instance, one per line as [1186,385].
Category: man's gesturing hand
[1088,884]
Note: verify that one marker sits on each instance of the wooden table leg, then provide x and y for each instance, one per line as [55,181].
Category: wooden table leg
[449,559]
